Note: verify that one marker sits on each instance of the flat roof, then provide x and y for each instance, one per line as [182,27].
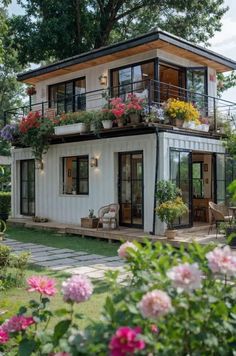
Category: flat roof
[156,39]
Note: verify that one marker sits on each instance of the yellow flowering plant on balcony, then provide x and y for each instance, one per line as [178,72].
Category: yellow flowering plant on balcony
[181,110]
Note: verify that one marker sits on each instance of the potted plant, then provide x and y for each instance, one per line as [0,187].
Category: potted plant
[5,205]
[170,205]
[168,212]
[181,112]
[134,108]
[91,221]
[73,122]
[107,118]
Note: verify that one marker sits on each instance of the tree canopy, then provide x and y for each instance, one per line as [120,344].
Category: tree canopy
[56,29]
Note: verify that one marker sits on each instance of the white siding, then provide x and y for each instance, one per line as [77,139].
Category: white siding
[103,180]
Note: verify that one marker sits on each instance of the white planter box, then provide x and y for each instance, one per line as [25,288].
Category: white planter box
[70,129]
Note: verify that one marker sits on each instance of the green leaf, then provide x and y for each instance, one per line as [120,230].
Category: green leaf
[60,329]
[26,347]
[22,310]
[61,312]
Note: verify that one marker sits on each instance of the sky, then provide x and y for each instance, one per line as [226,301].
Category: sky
[224,42]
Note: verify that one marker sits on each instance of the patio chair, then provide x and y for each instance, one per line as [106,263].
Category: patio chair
[218,213]
[109,214]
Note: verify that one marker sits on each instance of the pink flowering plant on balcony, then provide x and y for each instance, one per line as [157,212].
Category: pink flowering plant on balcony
[134,104]
[173,302]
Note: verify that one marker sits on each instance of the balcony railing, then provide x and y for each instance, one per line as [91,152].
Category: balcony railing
[218,111]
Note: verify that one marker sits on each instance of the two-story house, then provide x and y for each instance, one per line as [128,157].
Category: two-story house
[131,159]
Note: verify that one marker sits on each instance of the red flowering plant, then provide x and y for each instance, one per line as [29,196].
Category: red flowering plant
[34,130]
[134,104]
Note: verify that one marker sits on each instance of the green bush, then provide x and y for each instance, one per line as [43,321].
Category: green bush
[5,202]
[4,255]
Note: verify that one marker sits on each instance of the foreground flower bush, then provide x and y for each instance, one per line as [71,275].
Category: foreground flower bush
[173,302]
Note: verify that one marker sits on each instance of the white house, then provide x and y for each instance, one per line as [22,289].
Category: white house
[131,159]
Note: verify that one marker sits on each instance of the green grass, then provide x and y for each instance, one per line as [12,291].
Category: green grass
[52,239]
[12,299]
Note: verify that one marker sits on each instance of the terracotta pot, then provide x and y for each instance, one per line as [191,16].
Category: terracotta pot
[170,234]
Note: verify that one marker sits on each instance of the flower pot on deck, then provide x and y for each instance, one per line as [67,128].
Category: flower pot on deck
[89,223]
[179,123]
[107,124]
[134,118]
[170,234]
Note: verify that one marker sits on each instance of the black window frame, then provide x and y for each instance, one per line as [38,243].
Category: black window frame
[200,179]
[73,81]
[78,179]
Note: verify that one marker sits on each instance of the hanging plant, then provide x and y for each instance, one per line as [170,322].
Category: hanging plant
[35,131]
[30,91]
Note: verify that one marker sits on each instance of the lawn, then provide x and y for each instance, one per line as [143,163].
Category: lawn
[12,299]
[52,239]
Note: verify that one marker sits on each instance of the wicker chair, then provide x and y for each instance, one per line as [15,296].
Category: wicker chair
[218,213]
[103,215]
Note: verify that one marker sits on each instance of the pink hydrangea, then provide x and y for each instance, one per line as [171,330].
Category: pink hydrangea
[155,304]
[17,323]
[77,289]
[185,277]
[222,260]
[42,284]
[126,341]
[4,337]
[123,252]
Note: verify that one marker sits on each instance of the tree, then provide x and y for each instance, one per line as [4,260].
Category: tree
[55,29]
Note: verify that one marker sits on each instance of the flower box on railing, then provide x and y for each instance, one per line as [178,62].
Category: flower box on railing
[70,129]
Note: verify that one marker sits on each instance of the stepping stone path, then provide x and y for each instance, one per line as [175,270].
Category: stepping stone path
[69,261]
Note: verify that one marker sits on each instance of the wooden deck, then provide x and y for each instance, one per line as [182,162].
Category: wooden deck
[198,233]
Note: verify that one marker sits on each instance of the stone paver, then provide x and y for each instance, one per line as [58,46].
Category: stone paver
[69,261]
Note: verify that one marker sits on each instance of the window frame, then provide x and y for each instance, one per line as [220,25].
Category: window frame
[73,81]
[200,179]
[78,179]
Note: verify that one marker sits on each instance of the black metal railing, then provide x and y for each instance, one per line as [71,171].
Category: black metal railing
[155,93]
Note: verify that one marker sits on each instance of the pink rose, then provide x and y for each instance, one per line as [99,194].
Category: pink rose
[17,323]
[222,260]
[4,337]
[185,277]
[155,304]
[123,250]
[42,284]
[126,341]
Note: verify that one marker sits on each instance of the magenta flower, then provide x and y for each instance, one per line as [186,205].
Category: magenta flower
[123,252]
[222,260]
[185,277]
[155,304]
[17,323]
[77,289]
[42,284]
[4,337]
[126,341]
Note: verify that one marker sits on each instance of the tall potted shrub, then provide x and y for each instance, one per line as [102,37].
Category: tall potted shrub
[5,205]
[170,205]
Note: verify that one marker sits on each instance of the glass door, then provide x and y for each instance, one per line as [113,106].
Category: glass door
[27,187]
[131,188]
[181,175]
[197,88]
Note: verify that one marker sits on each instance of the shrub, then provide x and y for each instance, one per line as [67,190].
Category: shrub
[171,210]
[174,302]
[4,255]
[5,202]
[166,190]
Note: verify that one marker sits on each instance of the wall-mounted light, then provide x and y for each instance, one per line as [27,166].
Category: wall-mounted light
[39,165]
[103,79]
[93,162]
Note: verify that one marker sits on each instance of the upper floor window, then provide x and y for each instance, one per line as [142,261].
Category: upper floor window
[75,175]
[68,96]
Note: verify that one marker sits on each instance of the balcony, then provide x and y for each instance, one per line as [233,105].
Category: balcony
[218,113]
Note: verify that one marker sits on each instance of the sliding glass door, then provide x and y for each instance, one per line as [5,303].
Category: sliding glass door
[181,175]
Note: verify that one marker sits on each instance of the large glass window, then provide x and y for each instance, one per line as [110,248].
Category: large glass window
[132,79]
[68,96]
[75,175]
